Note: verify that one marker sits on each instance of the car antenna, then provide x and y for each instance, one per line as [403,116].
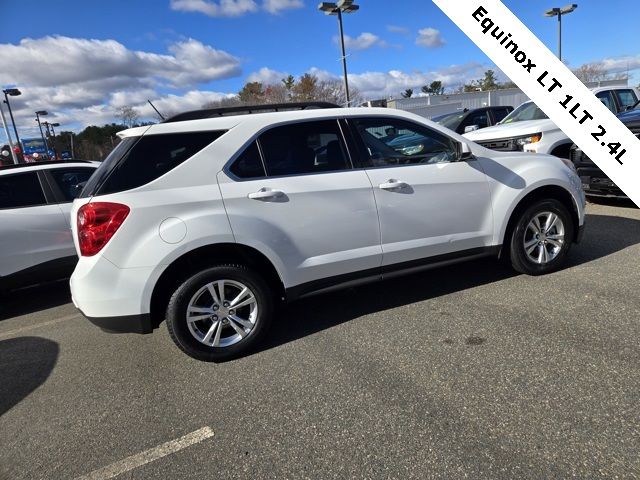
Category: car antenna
[153,106]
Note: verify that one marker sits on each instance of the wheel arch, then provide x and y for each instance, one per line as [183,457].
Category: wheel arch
[544,192]
[202,257]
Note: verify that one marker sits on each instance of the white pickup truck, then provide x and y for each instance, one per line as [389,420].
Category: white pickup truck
[528,129]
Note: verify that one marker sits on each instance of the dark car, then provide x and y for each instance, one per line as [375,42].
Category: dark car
[470,120]
[594,180]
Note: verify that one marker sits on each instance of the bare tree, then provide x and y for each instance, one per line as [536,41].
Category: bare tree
[128,115]
[596,72]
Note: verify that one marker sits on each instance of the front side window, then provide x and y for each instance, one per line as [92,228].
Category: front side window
[21,190]
[70,181]
[390,142]
[304,148]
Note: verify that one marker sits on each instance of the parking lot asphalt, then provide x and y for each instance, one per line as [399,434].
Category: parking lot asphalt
[466,372]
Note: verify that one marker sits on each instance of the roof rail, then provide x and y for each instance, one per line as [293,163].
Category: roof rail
[248,109]
[46,162]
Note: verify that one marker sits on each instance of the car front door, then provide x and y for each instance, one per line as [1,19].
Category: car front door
[429,203]
[292,194]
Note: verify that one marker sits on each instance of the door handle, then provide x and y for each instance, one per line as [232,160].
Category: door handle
[393,184]
[265,194]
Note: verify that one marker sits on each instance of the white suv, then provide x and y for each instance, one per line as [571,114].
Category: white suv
[208,219]
[35,234]
[529,129]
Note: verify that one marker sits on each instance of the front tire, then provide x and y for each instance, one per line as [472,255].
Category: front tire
[541,238]
[220,313]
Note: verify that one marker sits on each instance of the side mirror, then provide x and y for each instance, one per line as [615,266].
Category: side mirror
[471,128]
[464,152]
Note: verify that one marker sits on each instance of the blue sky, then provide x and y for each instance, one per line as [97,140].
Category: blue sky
[87,58]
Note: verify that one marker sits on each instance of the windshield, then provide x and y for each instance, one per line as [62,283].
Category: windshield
[451,121]
[526,111]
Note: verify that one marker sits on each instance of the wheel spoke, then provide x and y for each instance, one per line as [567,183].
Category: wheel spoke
[211,331]
[555,243]
[551,221]
[241,321]
[216,339]
[196,318]
[246,302]
[214,295]
[193,309]
[557,237]
[237,327]
[240,296]
[536,225]
[220,284]
[531,246]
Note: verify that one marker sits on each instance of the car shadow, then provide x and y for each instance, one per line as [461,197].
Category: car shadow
[26,363]
[605,235]
[33,299]
[613,202]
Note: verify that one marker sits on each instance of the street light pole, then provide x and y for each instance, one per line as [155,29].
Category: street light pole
[6,129]
[338,8]
[13,92]
[559,12]
[44,140]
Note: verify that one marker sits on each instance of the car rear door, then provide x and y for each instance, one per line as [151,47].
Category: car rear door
[429,203]
[33,231]
[292,194]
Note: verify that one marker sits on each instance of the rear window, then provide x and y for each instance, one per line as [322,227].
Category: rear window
[137,161]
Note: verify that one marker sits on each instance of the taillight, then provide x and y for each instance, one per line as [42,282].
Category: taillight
[97,222]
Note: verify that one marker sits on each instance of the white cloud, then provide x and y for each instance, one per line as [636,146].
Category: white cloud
[64,60]
[276,6]
[83,82]
[363,41]
[397,29]
[621,64]
[430,38]
[233,8]
[223,8]
[267,76]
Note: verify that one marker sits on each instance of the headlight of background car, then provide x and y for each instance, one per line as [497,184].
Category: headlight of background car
[522,141]
[412,150]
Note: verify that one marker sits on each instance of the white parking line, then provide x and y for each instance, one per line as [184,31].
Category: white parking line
[38,325]
[148,456]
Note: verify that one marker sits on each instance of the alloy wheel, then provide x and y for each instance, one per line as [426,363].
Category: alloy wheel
[222,313]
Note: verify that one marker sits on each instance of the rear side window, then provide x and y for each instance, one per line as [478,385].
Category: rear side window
[138,161]
[21,190]
[627,98]
[249,164]
[607,99]
[304,148]
[500,113]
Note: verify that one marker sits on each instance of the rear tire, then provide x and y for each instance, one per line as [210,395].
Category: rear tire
[220,313]
[541,238]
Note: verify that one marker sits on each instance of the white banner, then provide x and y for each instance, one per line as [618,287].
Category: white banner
[552,86]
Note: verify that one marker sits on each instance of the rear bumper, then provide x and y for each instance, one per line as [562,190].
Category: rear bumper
[124,324]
